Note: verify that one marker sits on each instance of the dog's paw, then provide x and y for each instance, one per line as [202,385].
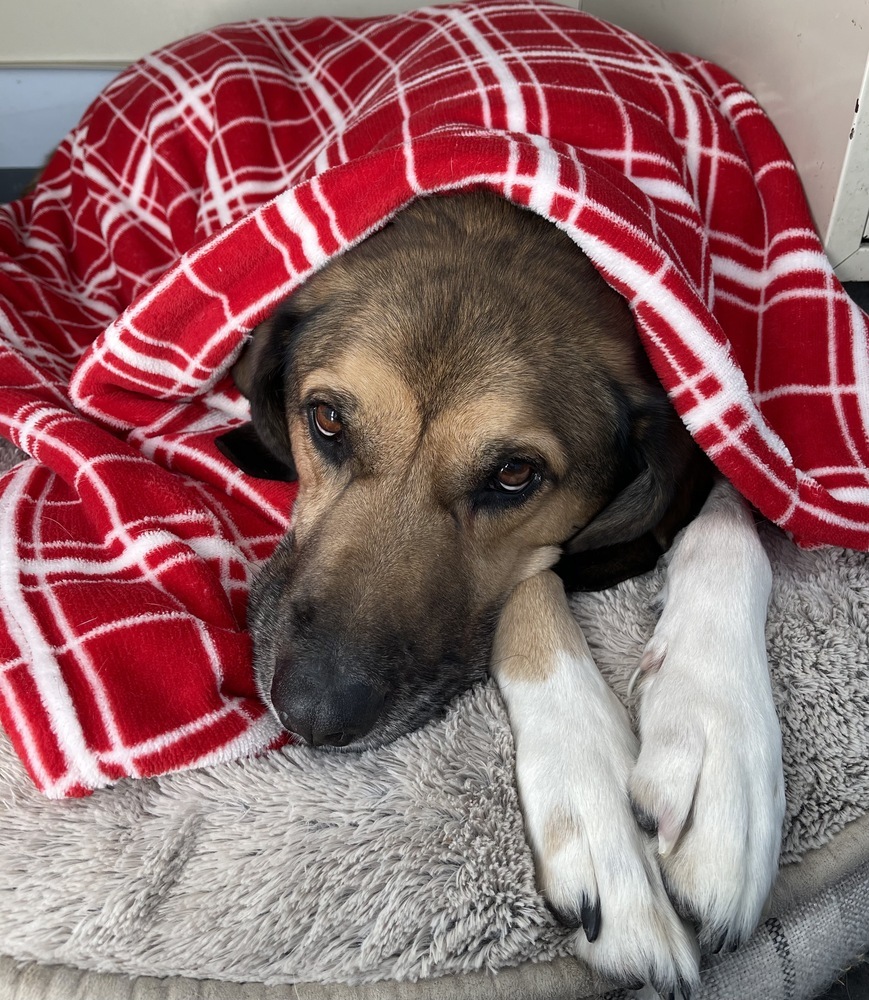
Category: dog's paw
[709,778]
[639,936]
[597,871]
[575,752]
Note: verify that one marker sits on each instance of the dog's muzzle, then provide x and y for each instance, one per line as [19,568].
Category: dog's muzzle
[343,674]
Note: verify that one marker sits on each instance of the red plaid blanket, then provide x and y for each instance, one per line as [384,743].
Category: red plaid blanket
[213,177]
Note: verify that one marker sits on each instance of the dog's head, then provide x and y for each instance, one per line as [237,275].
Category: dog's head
[461,396]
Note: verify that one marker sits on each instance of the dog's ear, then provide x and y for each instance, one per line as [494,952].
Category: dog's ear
[243,447]
[662,450]
[261,448]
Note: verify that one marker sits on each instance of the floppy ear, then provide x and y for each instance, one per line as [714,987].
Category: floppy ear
[261,448]
[242,446]
[664,449]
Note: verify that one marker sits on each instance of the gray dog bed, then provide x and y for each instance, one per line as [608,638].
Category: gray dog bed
[404,871]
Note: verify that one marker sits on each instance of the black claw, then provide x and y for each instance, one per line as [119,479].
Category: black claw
[734,944]
[590,918]
[671,995]
[587,916]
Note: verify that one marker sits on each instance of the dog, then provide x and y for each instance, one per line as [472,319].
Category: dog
[475,429]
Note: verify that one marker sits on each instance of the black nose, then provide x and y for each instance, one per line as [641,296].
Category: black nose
[323,708]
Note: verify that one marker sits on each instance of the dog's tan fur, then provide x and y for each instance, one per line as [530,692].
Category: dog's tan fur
[466,334]
[531,625]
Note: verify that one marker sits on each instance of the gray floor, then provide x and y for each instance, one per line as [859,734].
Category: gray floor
[852,986]
[12,181]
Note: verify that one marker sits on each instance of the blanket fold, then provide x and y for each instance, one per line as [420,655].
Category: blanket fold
[210,179]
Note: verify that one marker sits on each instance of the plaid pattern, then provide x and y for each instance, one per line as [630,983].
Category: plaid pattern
[212,178]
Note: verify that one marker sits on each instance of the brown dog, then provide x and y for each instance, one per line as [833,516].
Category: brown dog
[466,404]
[462,397]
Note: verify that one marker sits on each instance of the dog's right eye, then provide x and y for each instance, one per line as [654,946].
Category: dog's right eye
[514,476]
[326,421]
[510,483]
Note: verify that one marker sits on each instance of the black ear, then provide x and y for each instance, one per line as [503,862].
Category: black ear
[262,447]
[242,446]
[663,449]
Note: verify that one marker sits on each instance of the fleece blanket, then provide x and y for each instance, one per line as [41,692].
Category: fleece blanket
[212,178]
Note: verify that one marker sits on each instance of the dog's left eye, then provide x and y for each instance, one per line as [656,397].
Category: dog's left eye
[514,477]
[326,420]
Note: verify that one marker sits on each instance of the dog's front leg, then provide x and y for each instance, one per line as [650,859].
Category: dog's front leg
[709,775]
[574,756]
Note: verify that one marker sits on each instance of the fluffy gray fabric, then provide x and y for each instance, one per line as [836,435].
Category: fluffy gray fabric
[404,862]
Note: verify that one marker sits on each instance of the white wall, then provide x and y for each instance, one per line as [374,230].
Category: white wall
[119,31]
[39,106]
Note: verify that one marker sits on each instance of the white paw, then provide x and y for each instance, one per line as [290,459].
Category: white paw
[596,868]
[709,774]
[641,939]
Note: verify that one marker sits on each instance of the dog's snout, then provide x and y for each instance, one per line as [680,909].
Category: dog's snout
[322,708]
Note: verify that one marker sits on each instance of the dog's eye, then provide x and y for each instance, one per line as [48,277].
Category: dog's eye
[327,420]
[514,476]
[510,483]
